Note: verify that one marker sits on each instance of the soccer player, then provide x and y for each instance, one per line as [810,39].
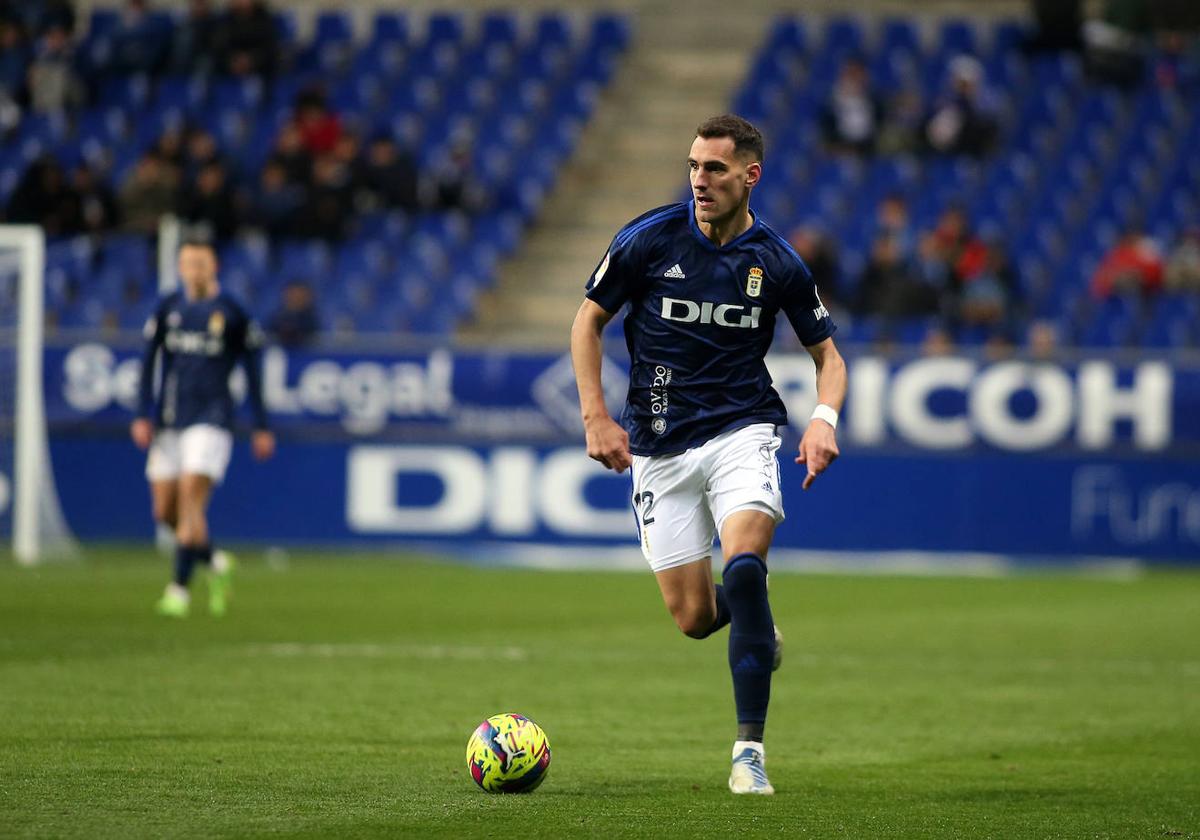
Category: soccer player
[704,282]
[198,333]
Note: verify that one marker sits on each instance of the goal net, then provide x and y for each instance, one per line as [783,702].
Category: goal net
[30,513]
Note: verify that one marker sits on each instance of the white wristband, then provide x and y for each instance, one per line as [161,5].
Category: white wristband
[826,413]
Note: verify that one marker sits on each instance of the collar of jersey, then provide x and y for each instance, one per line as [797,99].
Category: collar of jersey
[708,242]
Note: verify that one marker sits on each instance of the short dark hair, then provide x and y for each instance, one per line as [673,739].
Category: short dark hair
[747,139]
[197,241]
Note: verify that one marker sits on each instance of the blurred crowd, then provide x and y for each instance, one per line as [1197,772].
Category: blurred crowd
[959,286]
[321,173]
[951,283]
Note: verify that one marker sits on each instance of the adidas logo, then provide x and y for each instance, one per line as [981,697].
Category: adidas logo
[748,665]
[675,272]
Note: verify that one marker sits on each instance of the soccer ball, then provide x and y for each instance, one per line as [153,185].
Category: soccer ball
[508,753]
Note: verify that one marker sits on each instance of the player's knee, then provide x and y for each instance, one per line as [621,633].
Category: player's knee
[165,513]
[695,621]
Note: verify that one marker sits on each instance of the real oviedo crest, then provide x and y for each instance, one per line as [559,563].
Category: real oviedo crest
[754,282]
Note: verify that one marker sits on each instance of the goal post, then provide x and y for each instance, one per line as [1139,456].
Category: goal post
[39,529]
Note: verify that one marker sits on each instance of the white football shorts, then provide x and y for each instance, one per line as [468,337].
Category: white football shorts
[200,450]
[681,501]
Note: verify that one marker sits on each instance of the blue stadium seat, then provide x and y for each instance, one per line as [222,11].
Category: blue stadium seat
[497,27]
[551,29]
[610,32]
[1007,37]
[957,37]
[444,27]
[285,28]
[1112,323]
[787,35]
[332,27]
[843,35]
[1174,322]
[102,22]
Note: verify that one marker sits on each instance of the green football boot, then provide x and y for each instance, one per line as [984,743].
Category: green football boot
[174,602]
[220,582]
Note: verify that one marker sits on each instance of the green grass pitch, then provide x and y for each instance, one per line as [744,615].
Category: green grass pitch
[336,698]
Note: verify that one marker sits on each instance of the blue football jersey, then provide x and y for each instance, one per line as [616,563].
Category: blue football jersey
[200,341]
[701,319]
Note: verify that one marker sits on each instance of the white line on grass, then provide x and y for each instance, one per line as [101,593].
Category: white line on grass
[910,563]
[375,650]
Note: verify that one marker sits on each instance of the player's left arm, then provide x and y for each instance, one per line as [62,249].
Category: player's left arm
[818,447]
[262,440]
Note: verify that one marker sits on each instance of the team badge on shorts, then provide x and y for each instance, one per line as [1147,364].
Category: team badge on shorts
[216,323]
[754,282]
[659,425]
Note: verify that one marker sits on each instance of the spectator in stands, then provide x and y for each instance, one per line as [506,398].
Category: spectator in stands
[330,200]
[245,42]
[199,150]
[1177,61]
[43,197]
[850,120]
[139,41]
[453,183]
[148,194]
[14,66]
[1134,264]
[889,287]
[1115,44]
[903,119]
[37,16]
[987,297]
[1183,265]
[386,177]
[1043,340]
[348,151]
[210,201]
[277,202]
[892,219]
[937,341]
[170,148]
[964,120]
[14,59]
[295,323]
[1059,24]
[289,151]
[194,46]
[53,84]
[97,206]
[953,253]
[819,253]
[320,129]
[930,262]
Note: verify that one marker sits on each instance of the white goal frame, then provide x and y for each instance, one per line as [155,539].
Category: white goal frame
[34,498]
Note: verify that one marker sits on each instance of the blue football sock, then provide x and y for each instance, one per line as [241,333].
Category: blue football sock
[185,562]
[722,612]
[204,554]
[751,636]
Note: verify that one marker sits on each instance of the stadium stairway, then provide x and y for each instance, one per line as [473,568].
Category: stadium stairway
[630,159]
[682,66]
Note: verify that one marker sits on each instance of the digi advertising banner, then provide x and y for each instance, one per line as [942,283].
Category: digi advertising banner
[1096,456]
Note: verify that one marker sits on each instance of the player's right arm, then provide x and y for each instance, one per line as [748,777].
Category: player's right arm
[142,428]
[618,279]
[607,442]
